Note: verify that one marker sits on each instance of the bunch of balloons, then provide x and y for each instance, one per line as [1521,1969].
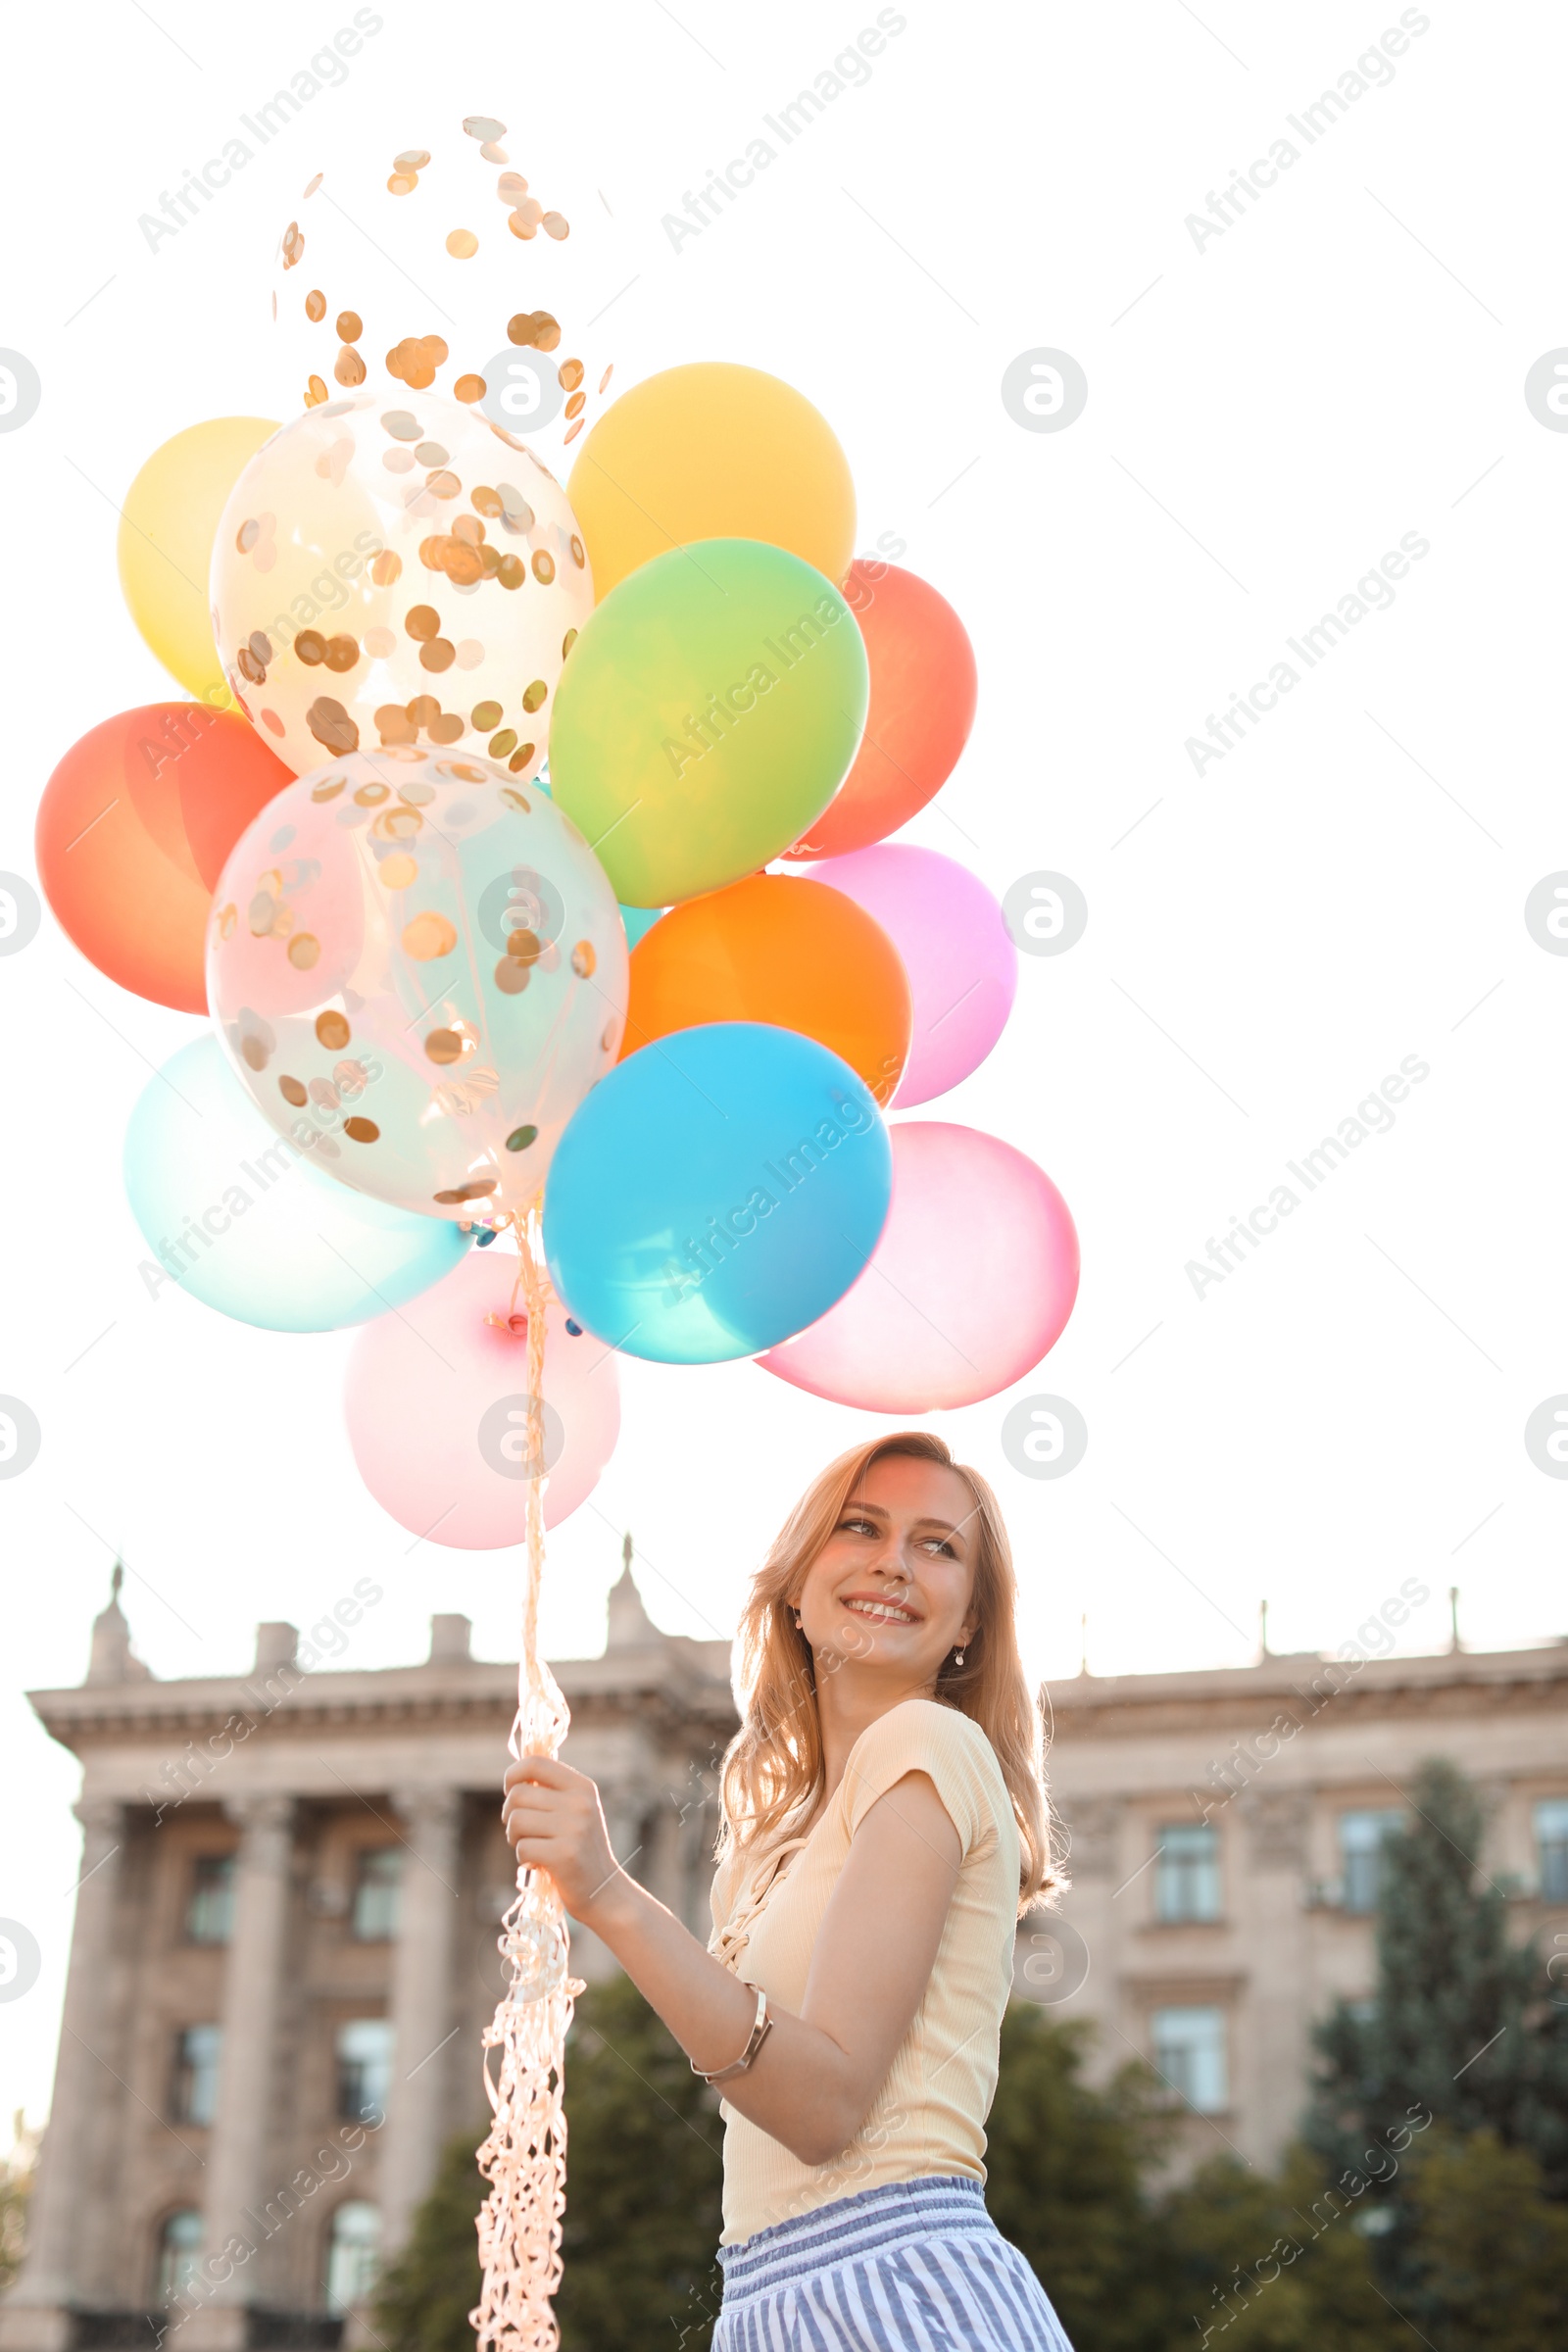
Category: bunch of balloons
[528,844]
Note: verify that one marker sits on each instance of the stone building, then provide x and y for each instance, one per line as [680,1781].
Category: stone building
[1226,1830]
[291,1884]
[285,1952]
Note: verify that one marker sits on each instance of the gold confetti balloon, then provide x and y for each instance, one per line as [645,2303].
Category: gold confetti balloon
[427,250]
[418,969]
[397,571]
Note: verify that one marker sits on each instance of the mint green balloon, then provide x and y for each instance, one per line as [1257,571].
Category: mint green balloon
[711,708]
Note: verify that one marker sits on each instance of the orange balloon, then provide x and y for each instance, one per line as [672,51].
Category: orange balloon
[777,947]
[923,688]
[133,829]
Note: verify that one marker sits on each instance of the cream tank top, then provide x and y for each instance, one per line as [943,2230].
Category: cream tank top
[928,2120]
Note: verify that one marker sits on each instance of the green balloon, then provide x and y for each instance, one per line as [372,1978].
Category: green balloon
[710,708]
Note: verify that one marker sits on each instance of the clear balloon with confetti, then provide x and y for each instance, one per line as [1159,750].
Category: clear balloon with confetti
[418,969]
[478,260]
[398,572]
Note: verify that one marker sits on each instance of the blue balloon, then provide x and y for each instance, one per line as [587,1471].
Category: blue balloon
[236,1215]
[715,1193]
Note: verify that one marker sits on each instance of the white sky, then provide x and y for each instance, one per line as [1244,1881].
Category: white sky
[1344,365]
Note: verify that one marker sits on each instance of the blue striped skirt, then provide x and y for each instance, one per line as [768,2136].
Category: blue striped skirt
[916,2266]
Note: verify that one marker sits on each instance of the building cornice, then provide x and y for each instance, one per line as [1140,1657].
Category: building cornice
[670,1681]
[667,1682]
[1300,1686]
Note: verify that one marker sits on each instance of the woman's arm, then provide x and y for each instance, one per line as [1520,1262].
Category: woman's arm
[813,2083]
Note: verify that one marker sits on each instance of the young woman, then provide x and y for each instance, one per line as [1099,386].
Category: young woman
[884,1825]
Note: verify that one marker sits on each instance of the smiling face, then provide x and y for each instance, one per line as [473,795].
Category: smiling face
[891,1588]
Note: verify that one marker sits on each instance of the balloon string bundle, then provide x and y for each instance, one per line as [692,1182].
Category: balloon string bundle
[525,2157]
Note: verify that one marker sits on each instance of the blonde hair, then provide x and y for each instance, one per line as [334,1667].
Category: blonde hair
[774,1766]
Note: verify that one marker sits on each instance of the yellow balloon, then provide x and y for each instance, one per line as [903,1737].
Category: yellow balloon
[166,545]
[712,450]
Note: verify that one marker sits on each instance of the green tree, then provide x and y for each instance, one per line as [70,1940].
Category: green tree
[424,2299]
[1490,2250]
[17,2171]
[645,2170]
[1464,2028]
[1277,2264]
[1069,2169]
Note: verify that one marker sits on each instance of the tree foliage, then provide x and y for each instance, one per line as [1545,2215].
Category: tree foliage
[15,2189]
[1274,2263]
[1489,2253]
[424,2299]
[644,2171]
[1465,2025]
[1067,2171]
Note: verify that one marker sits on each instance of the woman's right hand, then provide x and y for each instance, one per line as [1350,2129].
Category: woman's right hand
[555,1821]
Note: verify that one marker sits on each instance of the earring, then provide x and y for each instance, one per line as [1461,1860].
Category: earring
[958,1657]
[797,1625]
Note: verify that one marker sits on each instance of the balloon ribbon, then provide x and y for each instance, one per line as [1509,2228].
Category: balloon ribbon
[525,2157]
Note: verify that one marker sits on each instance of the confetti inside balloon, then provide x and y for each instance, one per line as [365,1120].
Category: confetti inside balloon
[398,270]
[398,572]
[419,943]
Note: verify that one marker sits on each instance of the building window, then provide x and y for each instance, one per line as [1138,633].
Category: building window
[1189,2052]
[197,2051]
[375,1894]
[364,2069]
[1362,1837]
[210,1913]
[179,2245]
[1551,1848]
[1186,1874]
[353,2254]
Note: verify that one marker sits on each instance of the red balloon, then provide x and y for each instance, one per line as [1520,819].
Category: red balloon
[133,829]
[923,689]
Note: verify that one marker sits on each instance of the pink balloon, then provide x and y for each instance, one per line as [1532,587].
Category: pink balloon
[970,1285]
[435,1405]
[962,965]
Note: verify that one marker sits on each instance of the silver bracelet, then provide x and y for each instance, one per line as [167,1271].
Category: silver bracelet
[761,2027]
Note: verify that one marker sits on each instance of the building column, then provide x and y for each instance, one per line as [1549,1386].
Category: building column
[701,1833]
[34,2312]
[253,1985]
[627,1806]
[421,2006]
[1271,2065]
